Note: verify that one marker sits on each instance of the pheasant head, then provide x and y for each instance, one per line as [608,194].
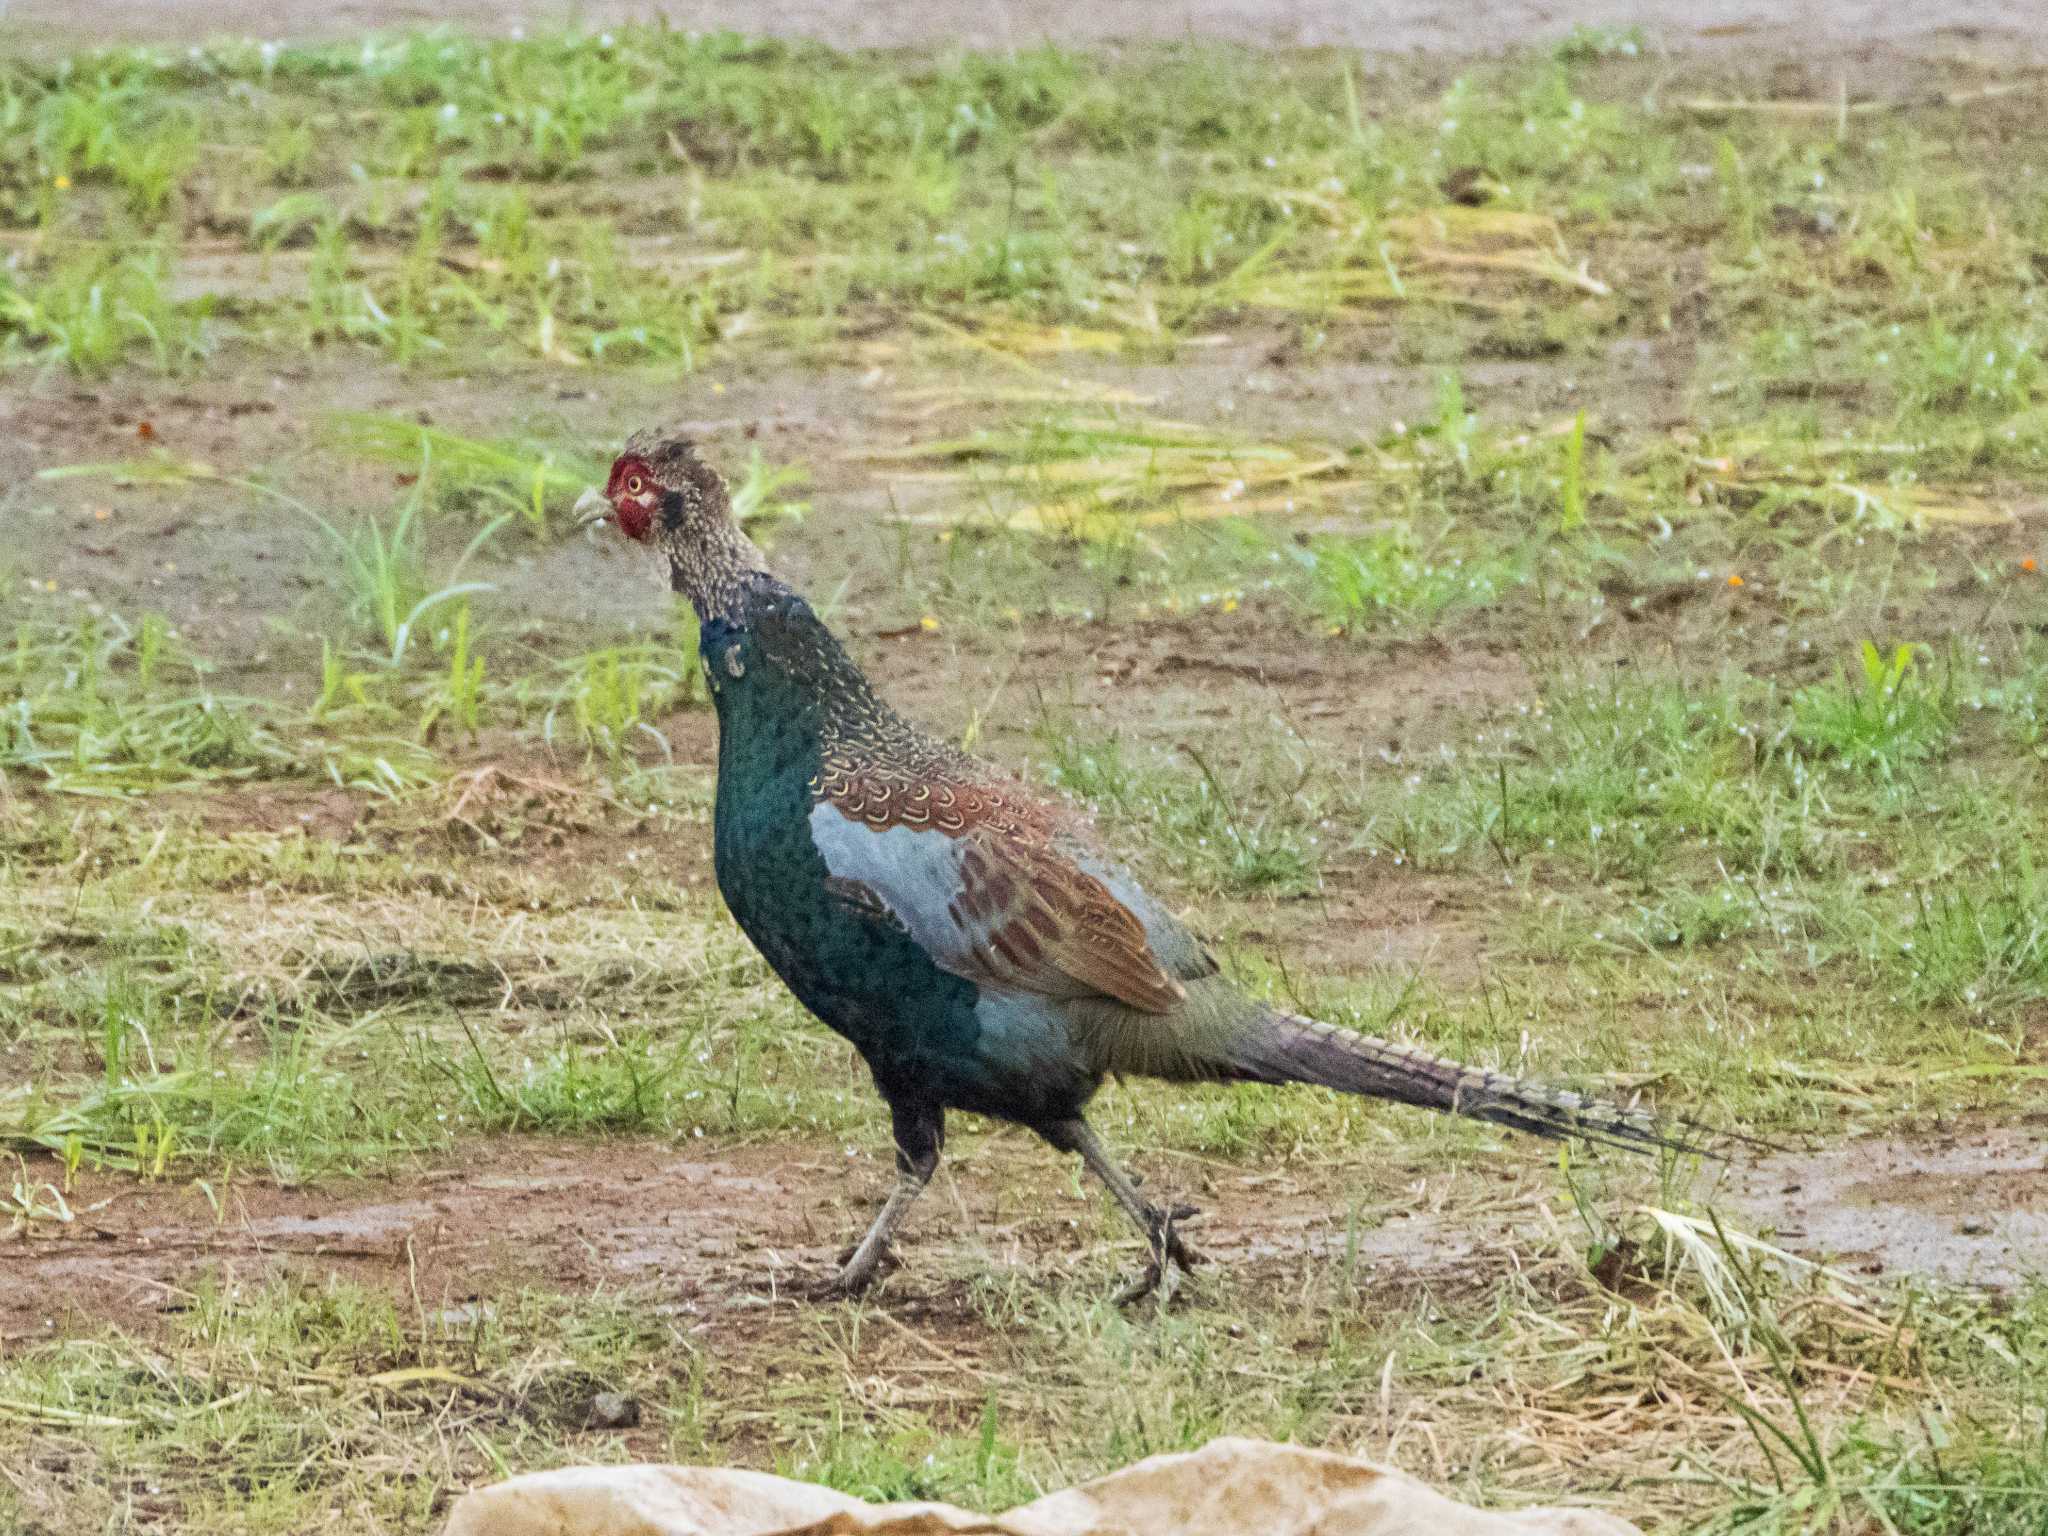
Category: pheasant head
[662,496]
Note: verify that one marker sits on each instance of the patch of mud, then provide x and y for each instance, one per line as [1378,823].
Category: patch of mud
[735,1224]
[1969,1208]
[702,1228]
[517,1212]
[310,810]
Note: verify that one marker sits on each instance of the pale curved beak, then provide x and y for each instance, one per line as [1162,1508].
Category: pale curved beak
[591,508]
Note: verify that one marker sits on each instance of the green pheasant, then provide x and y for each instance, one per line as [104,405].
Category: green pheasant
[973,940]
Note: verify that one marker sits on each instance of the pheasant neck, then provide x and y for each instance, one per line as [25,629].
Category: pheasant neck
[716,570]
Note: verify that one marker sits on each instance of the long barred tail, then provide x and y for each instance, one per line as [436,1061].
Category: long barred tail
[1288,1048]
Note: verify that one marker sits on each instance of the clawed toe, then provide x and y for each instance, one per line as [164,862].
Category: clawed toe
[836,1286]
[844,1283]
[1144,1285]
[1167,1249]
[854,1279]
[1170,1239]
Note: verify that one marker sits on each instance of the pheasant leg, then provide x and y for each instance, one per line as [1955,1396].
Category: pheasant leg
[919,1134]
[1157,1226]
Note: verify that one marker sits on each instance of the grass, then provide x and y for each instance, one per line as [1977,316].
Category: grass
[1101,479]
[1533,563]
[99,306]
[606,701]
[382,575]
[1048,191]
[1393,580]
[92,708]
[536,482]
[1195,824]
[1887,719]
[348,1346]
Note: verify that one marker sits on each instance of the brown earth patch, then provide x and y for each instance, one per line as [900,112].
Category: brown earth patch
[708,1227]
[1968,1206]
[703,1225]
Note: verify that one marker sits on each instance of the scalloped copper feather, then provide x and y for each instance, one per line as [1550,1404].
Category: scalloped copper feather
[1027,915]
[1016,909]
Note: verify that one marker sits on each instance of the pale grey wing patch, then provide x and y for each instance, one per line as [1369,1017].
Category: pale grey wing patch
[1180,954]
[913,872]
[943,892]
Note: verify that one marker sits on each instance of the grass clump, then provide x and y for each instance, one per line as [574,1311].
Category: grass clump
[381,572]
[533,481]
[99,306]
[100,706]
[1981,943]
[1884,720]
[607,1083]
[1391,580]
[154,1114]
[609,698]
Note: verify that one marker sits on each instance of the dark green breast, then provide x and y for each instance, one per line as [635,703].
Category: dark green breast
[863,975]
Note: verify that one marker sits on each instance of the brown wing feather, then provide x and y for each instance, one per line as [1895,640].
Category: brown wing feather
[1033,919]
[1053,925]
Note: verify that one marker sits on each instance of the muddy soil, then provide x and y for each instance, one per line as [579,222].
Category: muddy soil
[1969,1206]
[703,1226]
[708,1228]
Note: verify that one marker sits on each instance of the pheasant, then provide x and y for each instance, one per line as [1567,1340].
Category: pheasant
[975,941]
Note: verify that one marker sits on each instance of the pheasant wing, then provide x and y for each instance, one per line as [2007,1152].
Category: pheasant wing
[997,888]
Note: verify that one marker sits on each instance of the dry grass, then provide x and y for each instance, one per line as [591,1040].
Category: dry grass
[1531,571]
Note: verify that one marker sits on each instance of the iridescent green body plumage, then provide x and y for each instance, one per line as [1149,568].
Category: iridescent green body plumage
[974,941]
[848,959]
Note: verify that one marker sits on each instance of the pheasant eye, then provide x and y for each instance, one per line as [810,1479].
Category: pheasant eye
[635,485]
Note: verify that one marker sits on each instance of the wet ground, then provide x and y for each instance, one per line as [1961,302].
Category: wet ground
[711,1229]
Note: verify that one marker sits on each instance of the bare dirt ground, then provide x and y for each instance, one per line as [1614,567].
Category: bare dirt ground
[2009,29]
[732,1228]
[1962,1205]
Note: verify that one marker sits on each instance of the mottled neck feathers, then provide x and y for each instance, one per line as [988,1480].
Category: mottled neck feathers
[717,567]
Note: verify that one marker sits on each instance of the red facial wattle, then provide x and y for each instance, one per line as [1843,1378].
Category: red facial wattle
[631,492]
[635,519]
